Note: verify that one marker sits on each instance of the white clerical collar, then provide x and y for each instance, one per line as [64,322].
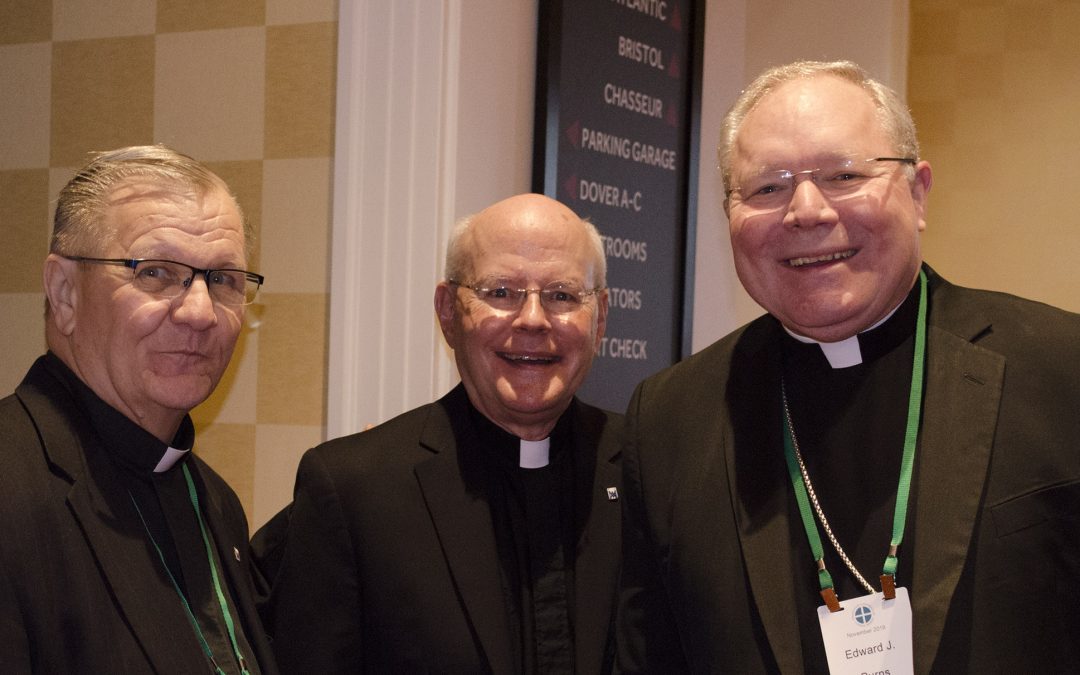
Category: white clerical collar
[845,353]
[534,454]
[169,459]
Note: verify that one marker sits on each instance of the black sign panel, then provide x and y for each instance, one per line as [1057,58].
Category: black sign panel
[614,130]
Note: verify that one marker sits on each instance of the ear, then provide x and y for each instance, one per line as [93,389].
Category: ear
[601,317]
[61,290]
[446,310]
[920,190]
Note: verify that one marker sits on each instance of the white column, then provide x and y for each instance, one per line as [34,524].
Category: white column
[393,204]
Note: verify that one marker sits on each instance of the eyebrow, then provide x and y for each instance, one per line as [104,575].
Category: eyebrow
[174,256]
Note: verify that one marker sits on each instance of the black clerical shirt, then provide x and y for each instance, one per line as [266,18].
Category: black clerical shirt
[534,516]
[168,514]
[849,423]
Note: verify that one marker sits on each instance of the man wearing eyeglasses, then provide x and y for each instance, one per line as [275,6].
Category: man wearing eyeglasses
[882,474]
[121,551]
[479,533]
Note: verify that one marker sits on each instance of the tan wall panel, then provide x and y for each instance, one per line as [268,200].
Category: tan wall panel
[81,19]
[24,212]
[993,89]
[230,449]
[209,90]
[195,15]
[25,71]
[292,348]
[22,335]
[102,96]
[300,90]
[25,21]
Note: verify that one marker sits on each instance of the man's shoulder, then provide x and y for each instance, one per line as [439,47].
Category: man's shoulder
[15,420]
[25,462]
[388,441]
[40,423]
[1006,322]
[600,428]
[39,390]
[590,414]
[709,367]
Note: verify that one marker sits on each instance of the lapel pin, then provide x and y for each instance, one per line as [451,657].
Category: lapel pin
[613,494]
[236,552]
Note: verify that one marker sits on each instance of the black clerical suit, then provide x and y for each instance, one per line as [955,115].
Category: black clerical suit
[82,585]
[403,553]
[714,551]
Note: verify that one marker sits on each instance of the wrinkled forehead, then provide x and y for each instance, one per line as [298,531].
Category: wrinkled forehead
[141,207]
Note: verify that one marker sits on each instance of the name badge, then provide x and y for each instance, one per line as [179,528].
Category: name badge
[869,636]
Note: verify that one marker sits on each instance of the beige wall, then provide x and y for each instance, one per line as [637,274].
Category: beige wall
[995,90]
[248,87]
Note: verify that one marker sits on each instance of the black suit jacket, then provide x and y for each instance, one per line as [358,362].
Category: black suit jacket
[81,587]
[996,578]
[390,562]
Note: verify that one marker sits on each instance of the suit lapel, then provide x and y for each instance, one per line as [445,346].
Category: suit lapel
[231,547]
[131,567]
[963,392]
[597,563]
[224,540]
[462,518]
[759,488]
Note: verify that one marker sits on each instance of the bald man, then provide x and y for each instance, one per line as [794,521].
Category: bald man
[479,533]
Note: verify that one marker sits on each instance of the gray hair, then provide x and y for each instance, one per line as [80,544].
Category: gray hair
[459,255]
[79,226]
[894,116]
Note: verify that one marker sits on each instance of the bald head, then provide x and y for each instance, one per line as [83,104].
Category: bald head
[521,213]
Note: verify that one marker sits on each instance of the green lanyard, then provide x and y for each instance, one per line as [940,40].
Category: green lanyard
[213,575]
[903,490]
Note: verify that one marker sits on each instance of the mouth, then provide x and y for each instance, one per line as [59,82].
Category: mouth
[820,259]
[184,353]
[528,359]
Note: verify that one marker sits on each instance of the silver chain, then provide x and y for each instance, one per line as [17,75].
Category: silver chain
[813,496]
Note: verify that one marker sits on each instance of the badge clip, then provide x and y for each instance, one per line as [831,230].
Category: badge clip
[831,601]
[888,586]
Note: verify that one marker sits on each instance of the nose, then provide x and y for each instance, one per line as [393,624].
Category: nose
[808,206]
[532,314]
[195,307]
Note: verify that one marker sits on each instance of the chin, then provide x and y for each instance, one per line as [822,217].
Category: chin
[184,393]
[534,402]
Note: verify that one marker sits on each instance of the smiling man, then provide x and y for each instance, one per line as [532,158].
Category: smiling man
[121,549]
[480,533]
[881,474]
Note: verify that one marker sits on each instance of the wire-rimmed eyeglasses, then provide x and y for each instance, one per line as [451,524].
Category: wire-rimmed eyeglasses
[840,178]
[557,298]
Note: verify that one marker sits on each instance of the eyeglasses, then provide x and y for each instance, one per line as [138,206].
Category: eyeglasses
[170,279]
[556,298]
[844,177]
